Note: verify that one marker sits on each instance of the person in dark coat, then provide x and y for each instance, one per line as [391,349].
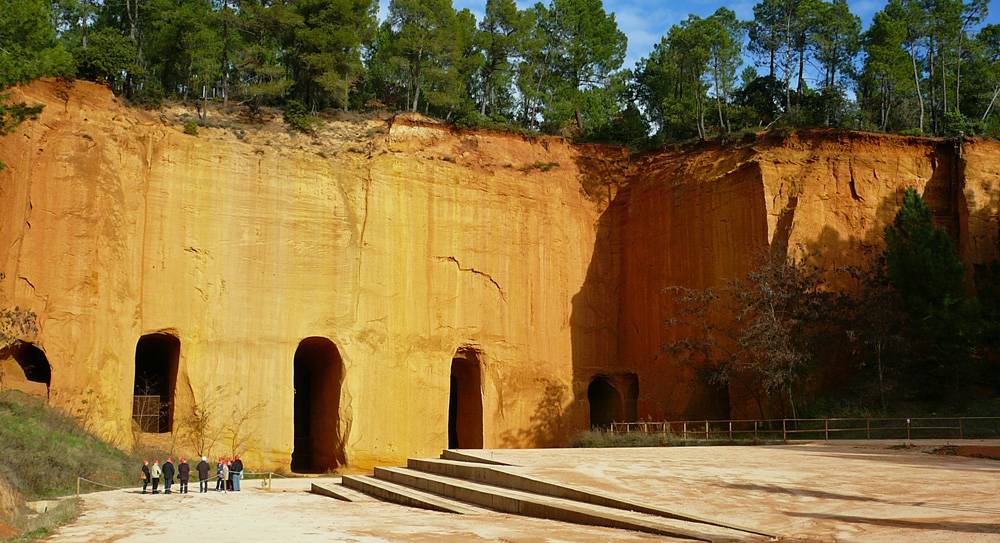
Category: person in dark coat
[168,475]
[145,475]
[202,469]
[237,473]
[183,475]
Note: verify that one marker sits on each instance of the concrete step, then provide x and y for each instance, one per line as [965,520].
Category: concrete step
[409,496]
[338,491]
[505,477]
[470,455]
[546,507]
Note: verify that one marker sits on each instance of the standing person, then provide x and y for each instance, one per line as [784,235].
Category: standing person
[229,480]
[155,472]
[224,476]
[237,473]
[202,469]
[145,475]
[218,474]
[184,475]
[168,475]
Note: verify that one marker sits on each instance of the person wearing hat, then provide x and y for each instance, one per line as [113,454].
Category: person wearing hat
[154,473]
[218,474]
[202,469]
[145,475]
[168,475]
[224,476]
[183,475]
[237,471]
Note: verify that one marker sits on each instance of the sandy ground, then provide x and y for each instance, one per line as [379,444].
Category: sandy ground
[290,514]
[815,492]
[810,492]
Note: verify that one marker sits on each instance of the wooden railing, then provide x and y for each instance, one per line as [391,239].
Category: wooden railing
[826,428]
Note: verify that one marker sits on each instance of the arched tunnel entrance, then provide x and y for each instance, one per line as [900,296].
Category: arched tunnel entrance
[318,380]
[32,370]
[156,360]
[465,401]
[605,403]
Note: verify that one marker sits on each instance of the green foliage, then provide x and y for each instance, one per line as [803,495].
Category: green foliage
[191,128]
[45,451]
[556,66]
[107,56]
[28,46]
[921,258]
[297,117]
[923,266]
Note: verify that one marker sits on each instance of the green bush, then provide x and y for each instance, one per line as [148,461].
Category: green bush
[191,128]
[297,116]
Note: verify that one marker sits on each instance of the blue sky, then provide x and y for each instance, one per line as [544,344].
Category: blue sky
[646,21]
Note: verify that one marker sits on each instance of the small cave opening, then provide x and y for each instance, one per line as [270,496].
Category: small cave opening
[465,401]
[33,364]
[156,359]
[318,380]
[605,403]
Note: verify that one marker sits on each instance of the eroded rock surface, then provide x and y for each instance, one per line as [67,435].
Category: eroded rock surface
[405,243]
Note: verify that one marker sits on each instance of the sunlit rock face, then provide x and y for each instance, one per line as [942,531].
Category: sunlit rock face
[382,289]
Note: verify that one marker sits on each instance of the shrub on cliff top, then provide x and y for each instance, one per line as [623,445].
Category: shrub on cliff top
[297,116]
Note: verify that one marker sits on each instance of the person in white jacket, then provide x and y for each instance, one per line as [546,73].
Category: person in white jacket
[155,473]
[225,476]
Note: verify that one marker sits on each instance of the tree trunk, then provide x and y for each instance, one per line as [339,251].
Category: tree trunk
[958,74]
[992,100]
[916,81]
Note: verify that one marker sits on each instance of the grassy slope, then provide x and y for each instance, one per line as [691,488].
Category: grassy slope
[43,451]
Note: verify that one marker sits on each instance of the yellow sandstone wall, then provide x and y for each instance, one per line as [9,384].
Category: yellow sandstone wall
[405,242]
[399,243]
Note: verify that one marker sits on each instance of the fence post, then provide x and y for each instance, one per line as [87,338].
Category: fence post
[784,430]
[706,429]
[730,430]
[755,430]
[907,431]
[684,429]
[77,487]
[826,429]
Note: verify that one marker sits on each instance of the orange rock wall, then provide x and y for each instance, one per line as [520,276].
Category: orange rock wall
[406,242]
[699,217]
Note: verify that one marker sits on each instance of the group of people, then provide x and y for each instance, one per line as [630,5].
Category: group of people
[228,474]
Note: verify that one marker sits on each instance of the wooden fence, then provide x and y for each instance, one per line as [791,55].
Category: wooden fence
[826,429]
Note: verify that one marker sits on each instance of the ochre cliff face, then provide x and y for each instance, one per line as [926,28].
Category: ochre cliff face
[407,245]
[702,217]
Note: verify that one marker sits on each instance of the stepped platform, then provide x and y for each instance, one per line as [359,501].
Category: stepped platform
[468,483]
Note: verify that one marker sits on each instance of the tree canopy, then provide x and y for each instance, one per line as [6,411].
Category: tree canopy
[927,66]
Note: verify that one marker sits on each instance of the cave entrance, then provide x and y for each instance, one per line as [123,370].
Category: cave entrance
[318,379]
[605,403]
[32,371]
[156,359]
[465,402]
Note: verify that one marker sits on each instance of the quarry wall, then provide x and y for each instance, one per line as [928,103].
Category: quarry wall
[410,246]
